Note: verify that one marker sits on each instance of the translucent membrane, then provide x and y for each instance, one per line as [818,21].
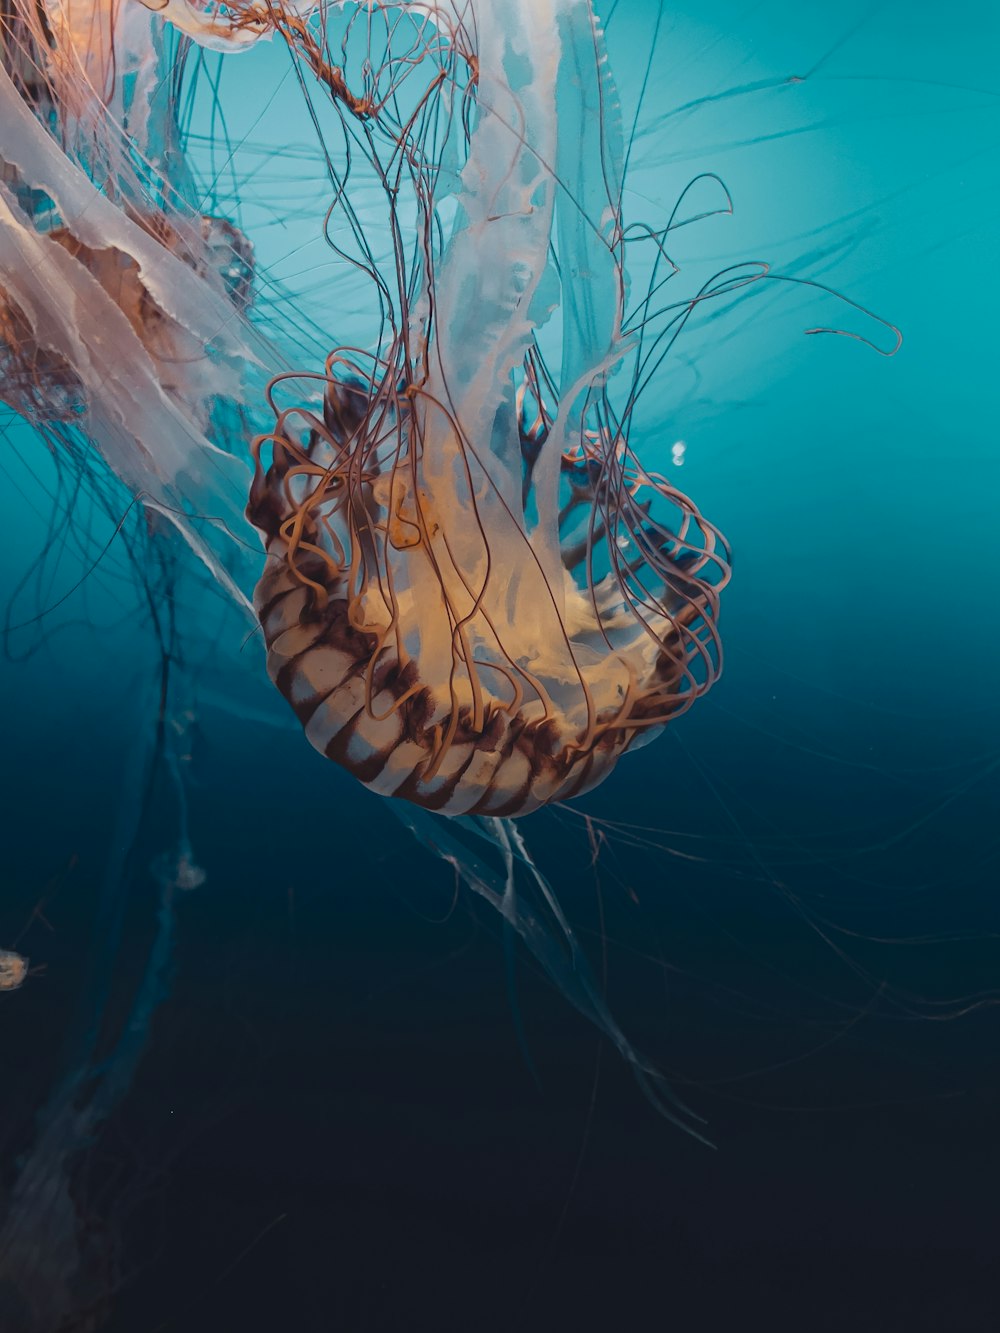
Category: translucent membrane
[120,304]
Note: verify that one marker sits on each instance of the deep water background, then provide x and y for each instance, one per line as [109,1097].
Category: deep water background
[346,1115]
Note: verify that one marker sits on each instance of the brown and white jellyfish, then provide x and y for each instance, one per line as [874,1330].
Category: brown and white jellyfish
[477,595]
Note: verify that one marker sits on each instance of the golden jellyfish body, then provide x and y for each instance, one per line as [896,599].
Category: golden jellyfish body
[423,642]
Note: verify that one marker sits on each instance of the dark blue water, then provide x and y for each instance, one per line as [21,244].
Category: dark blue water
[321,1091]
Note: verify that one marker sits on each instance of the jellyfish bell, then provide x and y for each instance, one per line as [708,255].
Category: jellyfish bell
[13,969]
[476,596]
[422,642]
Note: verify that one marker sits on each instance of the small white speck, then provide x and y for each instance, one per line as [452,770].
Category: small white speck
[677,451]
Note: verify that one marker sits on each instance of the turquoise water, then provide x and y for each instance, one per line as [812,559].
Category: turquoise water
[346,1113]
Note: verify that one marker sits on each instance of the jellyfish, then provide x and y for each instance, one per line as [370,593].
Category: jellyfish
[473,591]
[13,969]
[476,595]
[118,299]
